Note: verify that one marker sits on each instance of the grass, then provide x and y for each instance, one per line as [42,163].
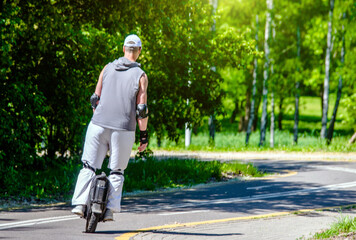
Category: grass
[229,141]
[227,137]
[152,174]
[144,174]
[344,225]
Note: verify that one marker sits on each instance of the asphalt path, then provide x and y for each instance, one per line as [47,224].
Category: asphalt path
[296,185]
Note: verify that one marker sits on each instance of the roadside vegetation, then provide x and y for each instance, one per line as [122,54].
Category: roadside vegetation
[144,173]
[229,138]
[344,228]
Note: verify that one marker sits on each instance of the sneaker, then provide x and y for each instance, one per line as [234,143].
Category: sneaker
[78,210]
[109,216]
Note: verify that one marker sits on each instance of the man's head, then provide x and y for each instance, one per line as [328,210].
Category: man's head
[132,47]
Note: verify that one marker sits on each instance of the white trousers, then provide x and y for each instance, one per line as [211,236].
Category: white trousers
[98,141]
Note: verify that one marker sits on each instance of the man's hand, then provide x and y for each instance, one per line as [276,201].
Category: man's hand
[143,140]
[142,147]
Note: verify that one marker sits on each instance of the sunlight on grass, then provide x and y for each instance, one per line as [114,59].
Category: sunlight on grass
[344,225]
[153,174]
[227,141]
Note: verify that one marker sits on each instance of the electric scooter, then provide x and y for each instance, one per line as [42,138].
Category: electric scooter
[98,197]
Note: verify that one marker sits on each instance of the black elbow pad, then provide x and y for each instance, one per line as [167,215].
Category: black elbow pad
[141,111]
[93,99]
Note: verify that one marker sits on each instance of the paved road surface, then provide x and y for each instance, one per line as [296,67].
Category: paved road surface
[215,211]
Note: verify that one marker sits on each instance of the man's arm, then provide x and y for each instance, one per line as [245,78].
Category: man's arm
[142,99]
[98,87]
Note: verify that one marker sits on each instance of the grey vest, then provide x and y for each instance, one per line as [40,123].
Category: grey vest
[117,105]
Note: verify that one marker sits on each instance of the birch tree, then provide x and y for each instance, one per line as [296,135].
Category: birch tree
[339,88]
[271,142]
[324,119]
[297,94]
[266,72]
[252,112]
[211,122]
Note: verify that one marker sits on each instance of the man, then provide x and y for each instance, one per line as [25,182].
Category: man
[120,98]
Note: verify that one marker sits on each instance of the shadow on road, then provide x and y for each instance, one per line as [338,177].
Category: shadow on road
[310,176]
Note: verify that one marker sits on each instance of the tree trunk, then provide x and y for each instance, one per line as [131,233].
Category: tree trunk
[257,108]
[252,112]
[242,118]
[271,142]
[352,139]
[247,106]
[212,117]
[339,90]
[324,119]
[212,129]
[187,133]
[280,114]
[235,112]
[296,111]
[266,73]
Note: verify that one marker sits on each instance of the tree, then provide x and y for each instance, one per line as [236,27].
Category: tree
[339,88]
[252,112]
[266,72]
[324,119]
[272,94]
[297,92]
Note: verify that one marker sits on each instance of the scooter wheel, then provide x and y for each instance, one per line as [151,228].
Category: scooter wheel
[92,222]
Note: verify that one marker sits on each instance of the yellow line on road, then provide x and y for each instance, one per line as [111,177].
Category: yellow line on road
[127,236]
[288,174]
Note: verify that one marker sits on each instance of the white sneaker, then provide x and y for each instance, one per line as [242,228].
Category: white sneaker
[109,216]
[79,210]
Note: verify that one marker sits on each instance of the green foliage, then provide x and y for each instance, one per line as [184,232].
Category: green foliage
[53,51]
[152,174]
[344,225]
[311,17]
[237,168]
[350,113]
[53,183]
[148,173]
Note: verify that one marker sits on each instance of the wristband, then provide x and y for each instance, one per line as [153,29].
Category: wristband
[143,137]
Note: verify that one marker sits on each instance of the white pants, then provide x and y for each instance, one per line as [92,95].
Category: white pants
[98,141]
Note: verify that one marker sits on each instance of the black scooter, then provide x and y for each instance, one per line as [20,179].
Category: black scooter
[96,207]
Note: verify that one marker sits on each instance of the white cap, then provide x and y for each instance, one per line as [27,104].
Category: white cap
[132,41]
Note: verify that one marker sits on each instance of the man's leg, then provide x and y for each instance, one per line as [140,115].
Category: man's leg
[95,149]
[120,148]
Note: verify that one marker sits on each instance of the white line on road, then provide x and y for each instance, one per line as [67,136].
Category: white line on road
[264,186]
[37,221]
[195,203]
[177,213]
[341,169]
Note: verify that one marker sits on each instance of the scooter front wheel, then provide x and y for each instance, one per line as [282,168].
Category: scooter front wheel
[92,222]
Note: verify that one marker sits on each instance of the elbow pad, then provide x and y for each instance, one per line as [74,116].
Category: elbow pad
[93,100]
[141,111]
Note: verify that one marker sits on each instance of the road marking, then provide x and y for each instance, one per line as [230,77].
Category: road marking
[195,203]
[127,236]
[341,169]
[178,213]
[288,174]
[264,186]
[37,221]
